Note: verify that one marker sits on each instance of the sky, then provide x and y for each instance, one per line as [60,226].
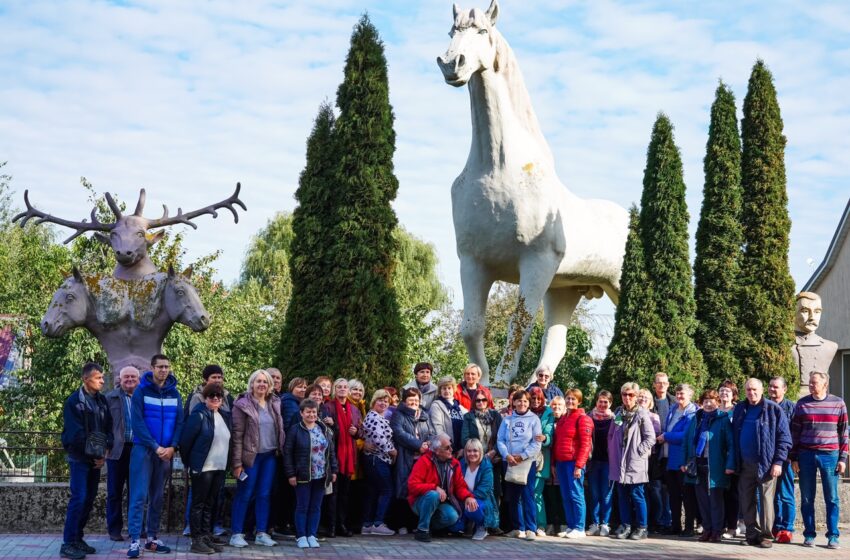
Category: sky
[187,98]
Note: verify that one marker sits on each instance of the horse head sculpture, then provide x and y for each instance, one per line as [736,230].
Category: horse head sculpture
[69,308]
[130,236]
[182,302]
[472,47]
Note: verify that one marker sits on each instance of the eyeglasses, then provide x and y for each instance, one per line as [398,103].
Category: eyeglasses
[480,400]
[542,375]
[217,397]
[629,395]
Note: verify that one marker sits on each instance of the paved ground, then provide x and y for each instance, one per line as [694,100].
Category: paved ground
[24,547]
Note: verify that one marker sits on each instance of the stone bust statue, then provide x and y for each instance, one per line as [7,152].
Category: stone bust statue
[810,351]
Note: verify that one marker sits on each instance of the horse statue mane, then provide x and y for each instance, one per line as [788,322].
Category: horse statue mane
[514,219]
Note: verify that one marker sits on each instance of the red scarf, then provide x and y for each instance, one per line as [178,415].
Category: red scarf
[345,443]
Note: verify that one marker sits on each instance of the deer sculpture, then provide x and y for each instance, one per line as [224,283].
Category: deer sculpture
[131,312]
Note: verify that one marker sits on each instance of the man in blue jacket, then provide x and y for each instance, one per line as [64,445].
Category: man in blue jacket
[157,418]
[762,442]
[85,412]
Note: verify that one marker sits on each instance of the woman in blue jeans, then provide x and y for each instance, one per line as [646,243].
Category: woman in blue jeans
[519,446]
[601,489]
[310,464]
[256,441]
[378,457]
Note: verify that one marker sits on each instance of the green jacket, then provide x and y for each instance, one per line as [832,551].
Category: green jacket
[721,448]
[547,422]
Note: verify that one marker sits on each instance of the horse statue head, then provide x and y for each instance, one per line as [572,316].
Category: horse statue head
[69,308]
[473,47]
[182,302]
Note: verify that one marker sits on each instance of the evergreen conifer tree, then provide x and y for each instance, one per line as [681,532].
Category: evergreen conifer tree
[357,329]
[638,332]
[719,241]
[302,342]
[767,289]
[664,233]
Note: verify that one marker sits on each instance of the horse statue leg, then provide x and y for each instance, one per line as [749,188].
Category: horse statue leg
[476,282]
[558,307]
[536,272]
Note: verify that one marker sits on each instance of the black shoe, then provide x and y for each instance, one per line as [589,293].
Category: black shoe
[687,533]
[638,534]
[210,541]
[331,532]
[217,540]
[343,531]
[622,532]
[84,547]
[116,538]
[422,536]
[200,546]
[72,552]
[765,543]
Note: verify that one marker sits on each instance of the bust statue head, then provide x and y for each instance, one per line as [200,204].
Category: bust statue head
[807,316]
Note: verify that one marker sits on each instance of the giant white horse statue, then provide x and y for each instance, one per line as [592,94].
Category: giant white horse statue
[514,219]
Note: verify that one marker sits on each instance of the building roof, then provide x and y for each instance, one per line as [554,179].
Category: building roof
[838,239]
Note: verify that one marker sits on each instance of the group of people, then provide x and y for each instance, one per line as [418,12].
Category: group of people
[440,457]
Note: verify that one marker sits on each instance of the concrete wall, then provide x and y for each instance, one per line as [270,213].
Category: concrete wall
[40,508]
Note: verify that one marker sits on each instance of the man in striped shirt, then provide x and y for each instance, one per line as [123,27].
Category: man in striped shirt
[820,444]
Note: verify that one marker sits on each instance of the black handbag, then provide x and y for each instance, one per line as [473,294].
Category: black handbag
[691,468]
[95,447]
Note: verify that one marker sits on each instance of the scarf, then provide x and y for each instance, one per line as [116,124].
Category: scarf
[537,392]
[361,406]
[628,417]
[345,450]
[483,416]
[597,415]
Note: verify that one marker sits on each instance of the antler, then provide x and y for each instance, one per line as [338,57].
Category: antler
[41,217]
[186,218]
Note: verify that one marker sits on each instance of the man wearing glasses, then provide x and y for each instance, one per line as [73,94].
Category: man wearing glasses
[544,381]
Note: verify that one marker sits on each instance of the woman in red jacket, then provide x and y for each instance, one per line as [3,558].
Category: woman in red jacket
[571,449]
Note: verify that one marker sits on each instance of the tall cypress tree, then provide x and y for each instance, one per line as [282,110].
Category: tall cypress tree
[664,233]
[767,289]
[637,327]
[303,344]
[719,243]
[366,325]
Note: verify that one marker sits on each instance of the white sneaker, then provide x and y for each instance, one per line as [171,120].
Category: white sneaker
[382,530]
[741,530]
[301,542]
[576,534]
[402,530]
[530,535]
[561,534]
[604,530]
[480,533]
[366,530]
[313,541]
[520,534]
[541,532]
[187,531]
[263,539]
[238,540]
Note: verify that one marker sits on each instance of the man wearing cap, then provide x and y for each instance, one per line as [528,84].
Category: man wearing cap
[422,381]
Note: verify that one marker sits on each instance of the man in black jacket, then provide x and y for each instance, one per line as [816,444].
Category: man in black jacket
[87,439]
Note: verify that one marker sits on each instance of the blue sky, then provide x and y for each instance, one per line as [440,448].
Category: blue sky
[186,98]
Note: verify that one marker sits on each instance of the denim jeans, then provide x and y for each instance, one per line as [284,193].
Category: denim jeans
[572,494]
[117,477]
[148,474]
[477,517]
[810,463]
[785,506]
[521,502]
[257,487]
[433,513]
[632,502]
[378,497]
[601,492]
[84,479]
[308,507]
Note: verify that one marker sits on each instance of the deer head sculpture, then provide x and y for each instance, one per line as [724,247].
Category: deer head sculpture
[130,236]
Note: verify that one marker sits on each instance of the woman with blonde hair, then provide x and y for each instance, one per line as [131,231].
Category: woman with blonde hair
[257,439]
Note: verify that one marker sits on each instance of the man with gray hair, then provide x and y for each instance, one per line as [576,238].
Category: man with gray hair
[762,440]
[819,431]
[437,491]
[118,461]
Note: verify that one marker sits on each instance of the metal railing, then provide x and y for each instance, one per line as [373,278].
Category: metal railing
[27,457]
